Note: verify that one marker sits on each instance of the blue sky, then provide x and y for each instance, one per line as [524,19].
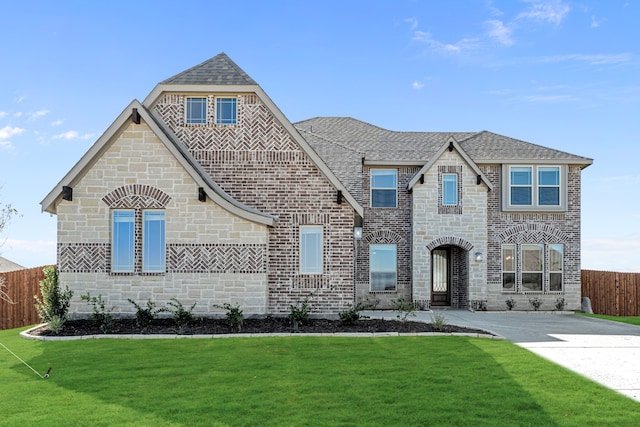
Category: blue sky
[564,74]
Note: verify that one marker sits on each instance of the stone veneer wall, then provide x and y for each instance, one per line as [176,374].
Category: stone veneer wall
[547,228]
[465,230]
[258,163]
[386,226]
[212,255]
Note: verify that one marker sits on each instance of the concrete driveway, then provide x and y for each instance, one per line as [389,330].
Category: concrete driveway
[603,351]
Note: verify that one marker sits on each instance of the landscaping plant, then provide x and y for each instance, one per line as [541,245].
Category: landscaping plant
[234,315]
[299,313]
[404,308]
[182,316]
[101,314]
[352,315]
[560,304]
[54,306]
[535,303]
[144,316]
[439,321]
[511,303]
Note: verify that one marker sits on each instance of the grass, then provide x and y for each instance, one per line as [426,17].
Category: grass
[632,320]
[297,381]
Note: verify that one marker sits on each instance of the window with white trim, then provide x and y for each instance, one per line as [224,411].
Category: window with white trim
[532,267]
[449,189]
[151,241]
[384,188]
[226,111]
[196,110]
[310,249]
[383,267]
[534,188]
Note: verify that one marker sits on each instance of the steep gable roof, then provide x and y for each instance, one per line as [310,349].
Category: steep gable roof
[8,265]
[219,70]
[175,147]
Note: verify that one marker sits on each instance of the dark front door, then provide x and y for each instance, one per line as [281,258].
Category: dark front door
[440,278]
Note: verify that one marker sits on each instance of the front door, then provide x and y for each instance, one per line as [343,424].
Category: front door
[440,278]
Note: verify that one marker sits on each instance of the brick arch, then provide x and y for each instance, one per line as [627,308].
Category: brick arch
[137,196]
[450,240]
[384,236]
[529,232]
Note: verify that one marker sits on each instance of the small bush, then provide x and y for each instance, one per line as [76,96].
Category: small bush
[439,321]
[352,315]
[404,308]
[299,313]
[511,304]
[183,317]
[56,324]
[101,314]
[144,316]
[55,302]
[234,315]
[560,304]
[535,303]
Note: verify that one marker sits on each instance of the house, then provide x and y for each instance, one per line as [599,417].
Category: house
[205,192]
[8,265]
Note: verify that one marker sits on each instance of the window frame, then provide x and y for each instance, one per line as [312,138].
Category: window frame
[220,102]
[372,271]
[118,240]
[188,118]
[380,172]
[456,202]
[546,273]
[317,266]
[147,266]
[514,248]
[561,271]
[535,186]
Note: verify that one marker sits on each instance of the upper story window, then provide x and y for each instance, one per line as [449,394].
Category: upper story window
[534,188]
[196,111]
[450,189]
[226,111]
[384,188]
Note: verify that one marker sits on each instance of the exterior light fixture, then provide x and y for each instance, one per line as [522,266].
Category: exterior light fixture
[357,233]
[479,256]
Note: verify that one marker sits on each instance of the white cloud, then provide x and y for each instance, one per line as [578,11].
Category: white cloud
[499,32]
[3,114]
[595,59]
[551,11]
[56,123]
[610,254]
[417,85]
[72,134]
[549,99]
[38,114]
[8,131]
[18,114]
[594,22]
[413,23]
[6,145]
[459,46]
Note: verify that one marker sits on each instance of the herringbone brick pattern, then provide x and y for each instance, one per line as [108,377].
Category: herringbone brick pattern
[216,258]
[83,257]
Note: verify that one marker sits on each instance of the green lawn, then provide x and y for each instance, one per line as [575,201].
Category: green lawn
[633,320]
[297,381]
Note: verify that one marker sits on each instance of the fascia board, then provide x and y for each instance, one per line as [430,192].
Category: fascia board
[393,162]
[150,100]
[584,162]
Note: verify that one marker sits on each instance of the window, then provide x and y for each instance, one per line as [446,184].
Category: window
[532,263]
[521,185]
[555,267]
[122,246]
[508,267]
[549,186]
[196,111]
[311,249]
[383,188]
[531,188]
[124,241]
[153,246]
[226,111]
[382,265]
[450,189]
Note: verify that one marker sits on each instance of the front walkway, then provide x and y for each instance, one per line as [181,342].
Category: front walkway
[604,351]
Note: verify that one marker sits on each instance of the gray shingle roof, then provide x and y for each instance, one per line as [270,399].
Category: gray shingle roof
[219,70]
[342,142]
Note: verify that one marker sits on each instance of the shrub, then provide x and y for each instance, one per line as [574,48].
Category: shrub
[55,302]
[535,303]
[182,316]
[404,308]
[560,304]
[352,315]
[439,321]
[144,316]
[56,324]
[299,314]
[234,316]
[511,303]
[101,314]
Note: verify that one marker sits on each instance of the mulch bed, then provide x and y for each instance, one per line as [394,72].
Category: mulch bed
[208,326]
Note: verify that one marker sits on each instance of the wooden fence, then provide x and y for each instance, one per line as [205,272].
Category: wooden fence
[615,294]
[20,287]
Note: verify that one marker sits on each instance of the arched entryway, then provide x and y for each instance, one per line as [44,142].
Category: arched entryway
[450,272]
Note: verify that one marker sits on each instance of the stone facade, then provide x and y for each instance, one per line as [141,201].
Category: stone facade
[137,172]
[258,163]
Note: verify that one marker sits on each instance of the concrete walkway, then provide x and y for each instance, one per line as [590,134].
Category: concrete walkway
[604,351]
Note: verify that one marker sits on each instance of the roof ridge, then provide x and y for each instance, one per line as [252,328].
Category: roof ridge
[219,69]
[315,135]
